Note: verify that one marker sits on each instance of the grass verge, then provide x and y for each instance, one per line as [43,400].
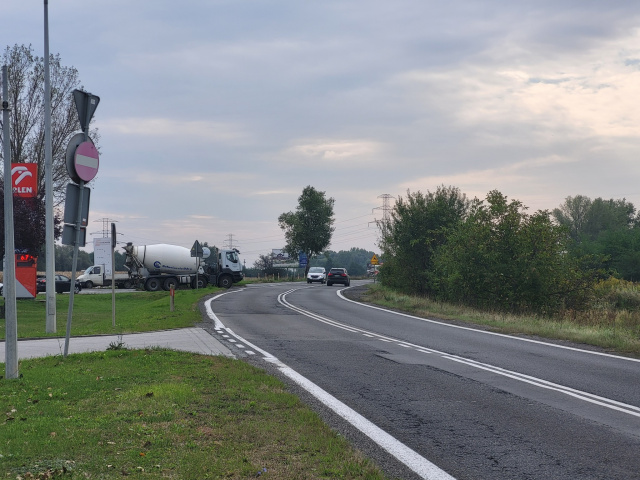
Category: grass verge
[612,331]
[163,414]
[92,313]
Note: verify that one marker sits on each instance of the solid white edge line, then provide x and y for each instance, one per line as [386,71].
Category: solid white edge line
[339,293]
[400,451]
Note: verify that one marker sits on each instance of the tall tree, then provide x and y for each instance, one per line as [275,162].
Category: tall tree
[28,223]
[309,228]
[417,228]
[26,101]
[586,219]
[502,258]
[573,214]
[608,215]
[264,264]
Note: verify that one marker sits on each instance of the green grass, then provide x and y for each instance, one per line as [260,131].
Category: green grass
[92,314]
[163,414]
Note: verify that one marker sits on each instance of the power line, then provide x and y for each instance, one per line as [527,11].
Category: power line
[385,208]
[228,243]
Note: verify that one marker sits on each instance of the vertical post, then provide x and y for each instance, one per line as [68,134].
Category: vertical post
[74,266]
[76,246]
[113,274]
[48,161]
[171,298]
[11,317]
[113,282]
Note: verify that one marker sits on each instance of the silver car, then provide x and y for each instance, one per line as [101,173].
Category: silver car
[316,274]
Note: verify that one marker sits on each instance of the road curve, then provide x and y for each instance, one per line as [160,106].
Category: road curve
[476,405]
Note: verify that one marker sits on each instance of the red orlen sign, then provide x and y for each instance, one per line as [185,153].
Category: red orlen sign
[24,179]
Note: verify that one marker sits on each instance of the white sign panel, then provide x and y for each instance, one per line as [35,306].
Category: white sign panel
[102,252]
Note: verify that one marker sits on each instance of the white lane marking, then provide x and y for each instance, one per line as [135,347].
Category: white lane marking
[618,357]
[538,382]
[400,451]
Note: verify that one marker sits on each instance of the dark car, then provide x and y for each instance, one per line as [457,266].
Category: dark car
[63,284]
[338,275]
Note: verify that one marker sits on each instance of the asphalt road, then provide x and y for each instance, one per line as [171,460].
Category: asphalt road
[475,404]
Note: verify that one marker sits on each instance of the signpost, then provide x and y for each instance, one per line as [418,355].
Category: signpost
[86,104]
[113,275]
[86,161]
[196,251]
[303,260]
[72,208]
[82,164]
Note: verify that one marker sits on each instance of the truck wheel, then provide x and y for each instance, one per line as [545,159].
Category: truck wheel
[152,285]
[225,281]
[89,284]
[202,282]
[170,282]
[127,284]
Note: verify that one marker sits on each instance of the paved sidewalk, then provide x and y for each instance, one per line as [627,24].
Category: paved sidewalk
[196,340]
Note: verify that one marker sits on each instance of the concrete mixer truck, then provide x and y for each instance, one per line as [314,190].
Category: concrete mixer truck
[162,266]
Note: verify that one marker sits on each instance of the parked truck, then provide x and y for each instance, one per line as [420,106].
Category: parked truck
[96,276]
[162,266]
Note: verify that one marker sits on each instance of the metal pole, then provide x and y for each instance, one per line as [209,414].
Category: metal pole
[76,246]
[113,286]
[48,161]
[74,266]
[10,311]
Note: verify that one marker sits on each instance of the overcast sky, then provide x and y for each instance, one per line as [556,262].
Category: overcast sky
[214,115]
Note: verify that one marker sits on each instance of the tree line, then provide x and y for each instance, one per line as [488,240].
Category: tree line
[492,254]
[354,260]
[26,103]
[64,259]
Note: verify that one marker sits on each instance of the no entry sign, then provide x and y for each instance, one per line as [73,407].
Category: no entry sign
[86,161]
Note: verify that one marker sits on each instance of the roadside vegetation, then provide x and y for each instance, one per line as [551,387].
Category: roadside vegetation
[567,274]
[608,326]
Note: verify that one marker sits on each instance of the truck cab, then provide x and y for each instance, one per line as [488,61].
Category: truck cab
[229,269]
[96,276]
[229,259]
[91,276]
